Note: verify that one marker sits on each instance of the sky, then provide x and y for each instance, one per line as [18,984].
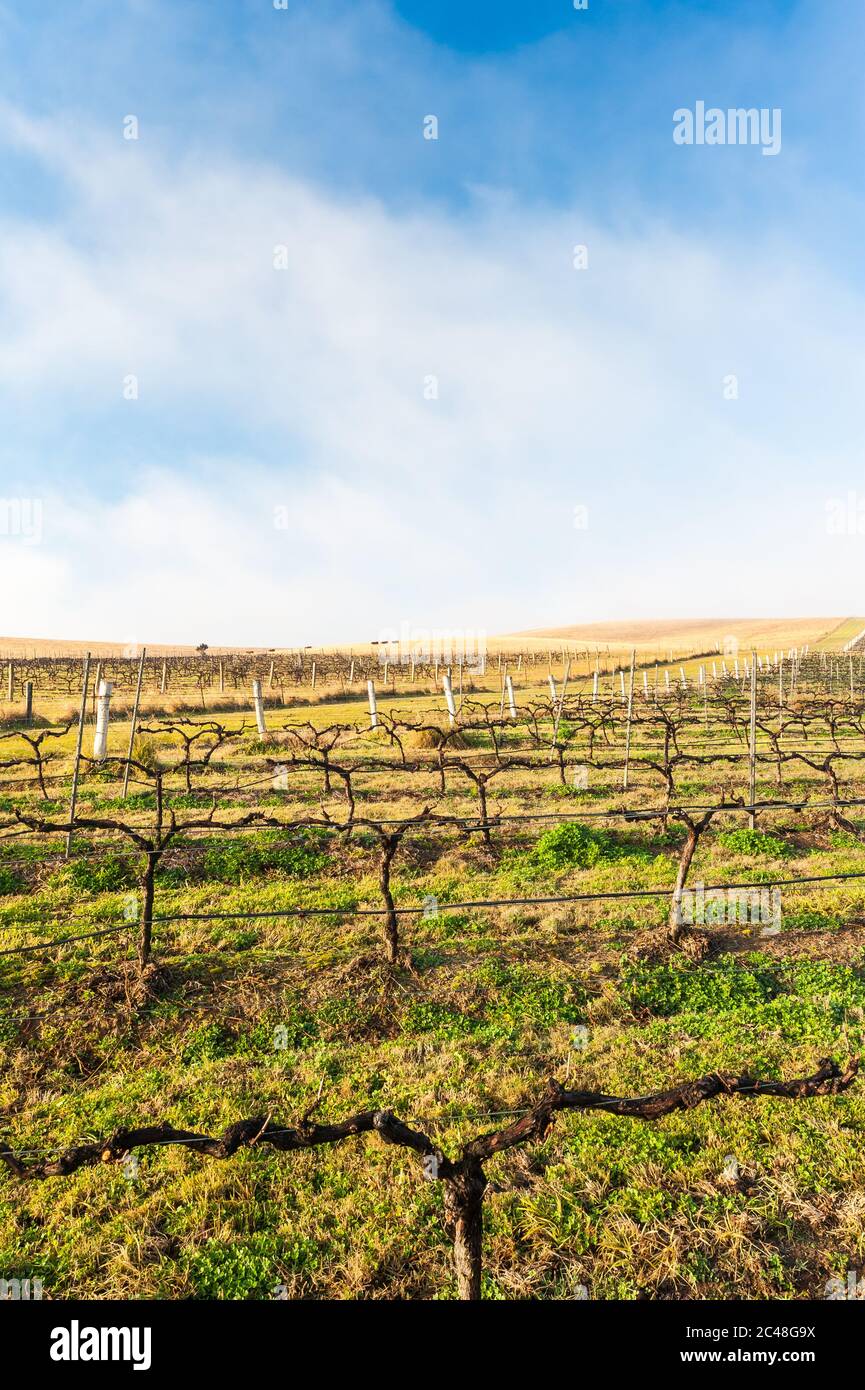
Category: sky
[278,367]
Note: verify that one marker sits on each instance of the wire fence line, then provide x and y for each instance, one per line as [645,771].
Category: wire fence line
[35,1162]
[414,910]
[639,757]
[206,674]
[160,846]
[65,941]
[521,735]
[637,814]
[462,1174]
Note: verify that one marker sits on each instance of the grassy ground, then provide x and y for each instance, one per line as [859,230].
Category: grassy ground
[737,1199]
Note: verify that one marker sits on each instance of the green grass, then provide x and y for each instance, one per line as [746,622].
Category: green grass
[244,858]
[572,845]
[271,1016]
[104,874]
[754,843]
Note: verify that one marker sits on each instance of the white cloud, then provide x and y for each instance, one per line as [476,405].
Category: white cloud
[557,387]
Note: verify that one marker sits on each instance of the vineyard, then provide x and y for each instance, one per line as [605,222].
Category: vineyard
[530,977]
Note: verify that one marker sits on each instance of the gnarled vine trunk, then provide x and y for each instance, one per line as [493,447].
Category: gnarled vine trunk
[464,1206]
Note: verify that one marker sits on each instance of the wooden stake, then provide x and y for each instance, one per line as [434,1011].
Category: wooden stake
[97,681]
[562,701]
[628,727]
[78,741]
[752,743]
[449,699]
[135,719]
[259,709]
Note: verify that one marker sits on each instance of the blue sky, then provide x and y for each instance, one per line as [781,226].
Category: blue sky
[371,386]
